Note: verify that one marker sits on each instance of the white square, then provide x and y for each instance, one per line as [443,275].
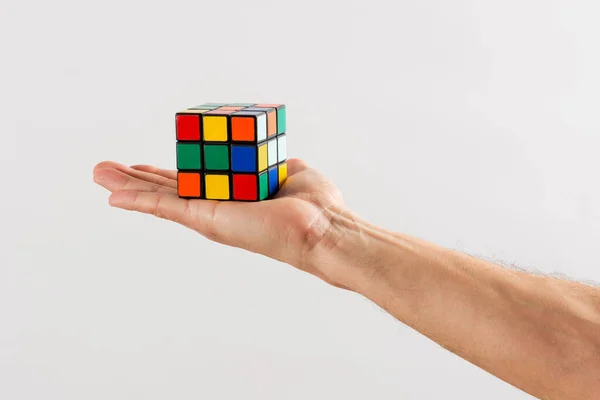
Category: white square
[281,148]
[272,152]
[261,127]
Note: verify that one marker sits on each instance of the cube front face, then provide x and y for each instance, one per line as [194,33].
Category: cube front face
[234,151]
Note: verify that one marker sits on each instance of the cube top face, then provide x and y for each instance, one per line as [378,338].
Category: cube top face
[231,151]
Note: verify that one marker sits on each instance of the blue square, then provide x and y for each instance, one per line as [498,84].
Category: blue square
[273,181]
[243,159]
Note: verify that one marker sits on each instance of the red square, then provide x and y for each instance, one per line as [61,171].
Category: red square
[188,127]
[245,187]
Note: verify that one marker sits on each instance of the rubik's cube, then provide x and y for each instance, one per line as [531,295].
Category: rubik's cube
[231,151]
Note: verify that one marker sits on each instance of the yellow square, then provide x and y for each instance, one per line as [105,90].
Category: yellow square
[192,111]
[215,128]
[282,173]
[217,187]
[262,157]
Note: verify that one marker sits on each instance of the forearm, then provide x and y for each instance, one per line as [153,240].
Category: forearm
[538,333]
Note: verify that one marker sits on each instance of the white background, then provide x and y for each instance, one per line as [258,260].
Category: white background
[473,124]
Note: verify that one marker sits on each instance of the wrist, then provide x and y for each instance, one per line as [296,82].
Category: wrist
[347,252]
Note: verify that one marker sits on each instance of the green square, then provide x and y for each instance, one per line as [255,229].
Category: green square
[211,105]
[188,156]
[263,186]
[281,120]
[216,157]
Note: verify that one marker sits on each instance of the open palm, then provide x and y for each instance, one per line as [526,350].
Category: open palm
[285,228]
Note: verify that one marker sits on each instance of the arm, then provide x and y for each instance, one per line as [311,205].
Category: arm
[537,333]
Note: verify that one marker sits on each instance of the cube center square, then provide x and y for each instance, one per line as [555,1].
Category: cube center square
[231,151]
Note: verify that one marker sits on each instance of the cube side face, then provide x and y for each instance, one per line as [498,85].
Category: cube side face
[282,173]
[281,121]
[231,151]
[189,185]
[243,128]
[244,158]
[188,127]
[246,187]
[272,152]
[215,128]
[217,186]
[189,156]
[281,148]
[273,180]
[263,186]
[263,153]
[216,157]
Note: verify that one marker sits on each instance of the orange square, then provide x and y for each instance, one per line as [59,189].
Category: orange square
[219,111]
[229,108]
[242,128]
[188,184]
[267,105]
[271,123]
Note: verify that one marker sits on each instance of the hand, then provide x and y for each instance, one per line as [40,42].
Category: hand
[287,228]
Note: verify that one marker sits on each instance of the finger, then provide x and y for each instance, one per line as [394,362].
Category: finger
[113,180]
[169,174]
[296,165]
[230,223]
[160,204]
[199,215]
[141,175]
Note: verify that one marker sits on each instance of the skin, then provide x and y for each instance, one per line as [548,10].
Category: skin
[538,333]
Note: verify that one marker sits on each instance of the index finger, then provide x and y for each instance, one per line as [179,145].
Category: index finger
[165,173]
